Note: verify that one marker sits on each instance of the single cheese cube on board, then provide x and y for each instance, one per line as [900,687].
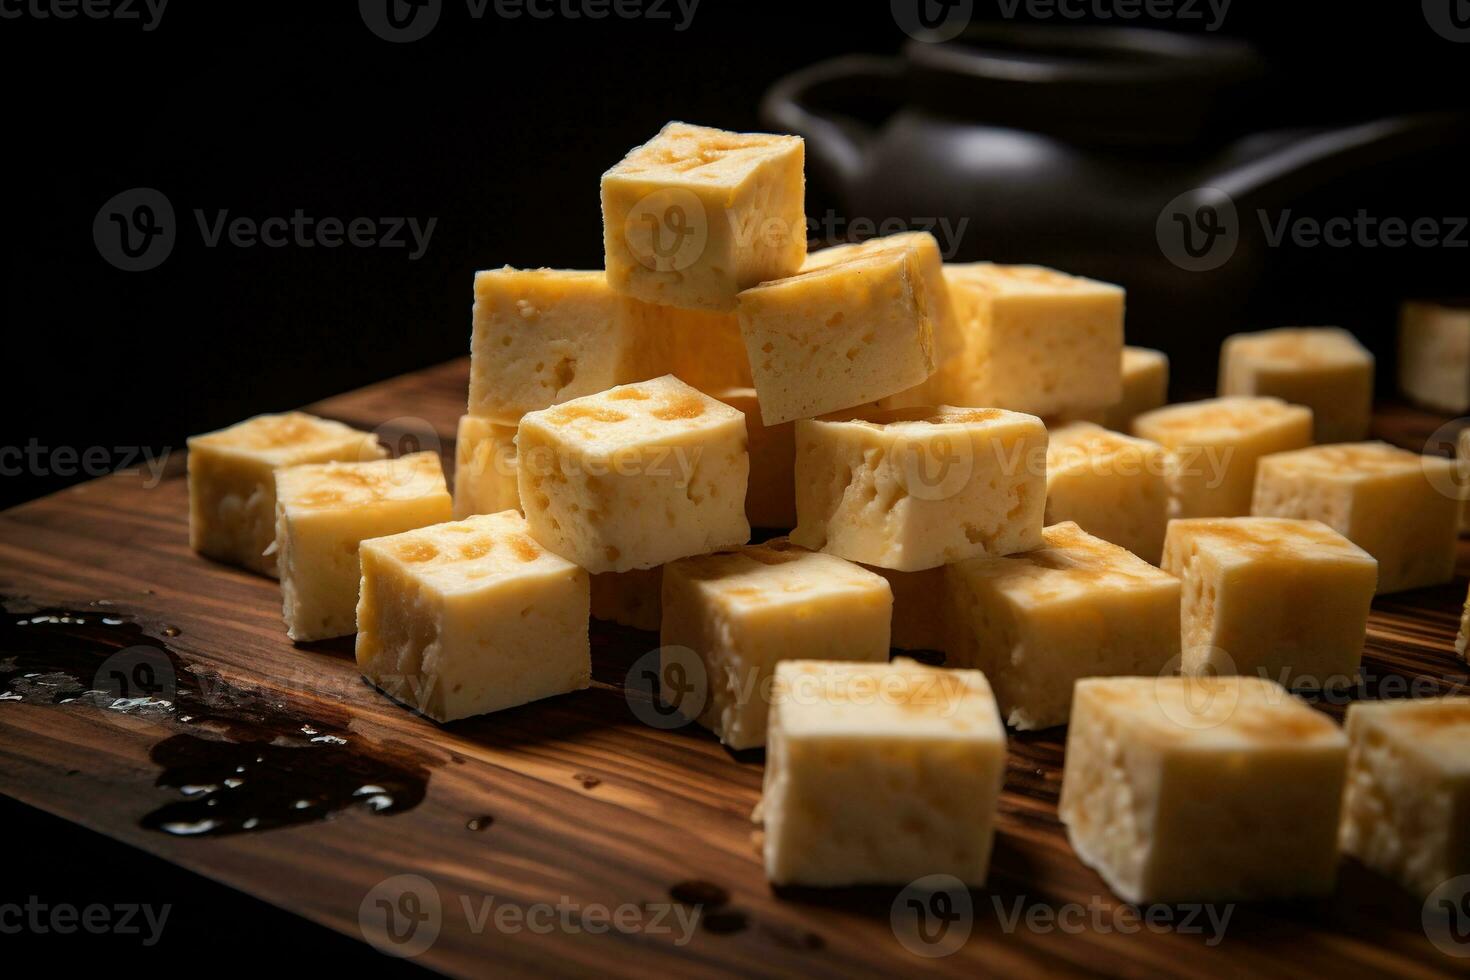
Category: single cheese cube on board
[770,500]
[1145,387]
[841,335]
[1112,485]
[707,350]
[545,336]
[1400,507]
[1323,368]
[635,476]
[1216,444]
[1038,340]
[1247,582]
[919,608]
[696,215]
[880,774]
[1408,790]
[484,468]
[1434,355]
[911,489]
[629,598]
[324,511]
[1202,789]
[1077,607]
[232,483]
[470,617]
[729,617]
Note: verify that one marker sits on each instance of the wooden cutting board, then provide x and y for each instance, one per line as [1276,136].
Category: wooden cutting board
[567,812]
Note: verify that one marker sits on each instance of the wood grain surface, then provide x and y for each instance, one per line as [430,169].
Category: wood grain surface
[554,809]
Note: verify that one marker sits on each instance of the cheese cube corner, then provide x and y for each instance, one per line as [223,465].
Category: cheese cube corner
[1113,486]
[1434,355]
[1323,368]
[484,468]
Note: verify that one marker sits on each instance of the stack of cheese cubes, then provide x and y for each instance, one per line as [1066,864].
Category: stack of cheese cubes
[949,448]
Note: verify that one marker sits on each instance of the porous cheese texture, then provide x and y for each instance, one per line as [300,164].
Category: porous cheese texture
[919,608]
[1408,789]
[1248,585]
[1323,368]
[1400,507]
[770,499]
[1145,387]
[1113,486]
[1215,445]
[546,336]
[880,774]
[1037,340]
[484,468]
[1202,789]
[1434,355]
[629,598]
[911,489]
[470,617]
[635,476]
[696,215]
[324,511]
[840,335]
[731,616]
[1077,607]
[232,483]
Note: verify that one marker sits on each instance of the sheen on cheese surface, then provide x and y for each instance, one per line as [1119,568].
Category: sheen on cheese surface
[1323,368]
[484,468]
[1434,355]
[470,617]
[1113,486]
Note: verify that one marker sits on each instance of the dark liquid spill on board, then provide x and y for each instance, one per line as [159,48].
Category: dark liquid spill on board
[246,761]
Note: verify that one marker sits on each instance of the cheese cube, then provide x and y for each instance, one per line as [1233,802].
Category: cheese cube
[696,215]
[484,468]
[911,489]
[1112,485]
[546,336]
[1216,444]
[629,598]
[470,617]
[840,335]
[707,349]
[1323,368]
[1462,462]
[1037,622]
[1202,789]
[1247,582]
[919,608]
[1145,387]
[1037,340]
[729,617]
[770,500]
[324,511]
[635,476]
[880,774]
[1400,507]
[1434,355]
[1462,641]
[1408,789]
[232,483]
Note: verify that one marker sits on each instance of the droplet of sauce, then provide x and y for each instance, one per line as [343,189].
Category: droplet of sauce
[171,631]
[479,823]
[588,782]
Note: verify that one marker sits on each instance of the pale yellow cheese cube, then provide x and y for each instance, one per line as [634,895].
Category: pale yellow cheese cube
[1323,368]
[324,511]
[1407,803]
[1037,622]
[629,598]
[729,617]
[470,617]
[1145,387]
[880,774]
[1400,507]
[919,608]
[1215,445]
[1112,485]
[840,335]
[707,350]
[696,215]
[232,484]
[770,500]
[1202,789]
[634,476]
[546,336]
[484,468]
[910,489]
[1037,340]
[1279,598]
[1462,641]
[1462,462]
[1434,355]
